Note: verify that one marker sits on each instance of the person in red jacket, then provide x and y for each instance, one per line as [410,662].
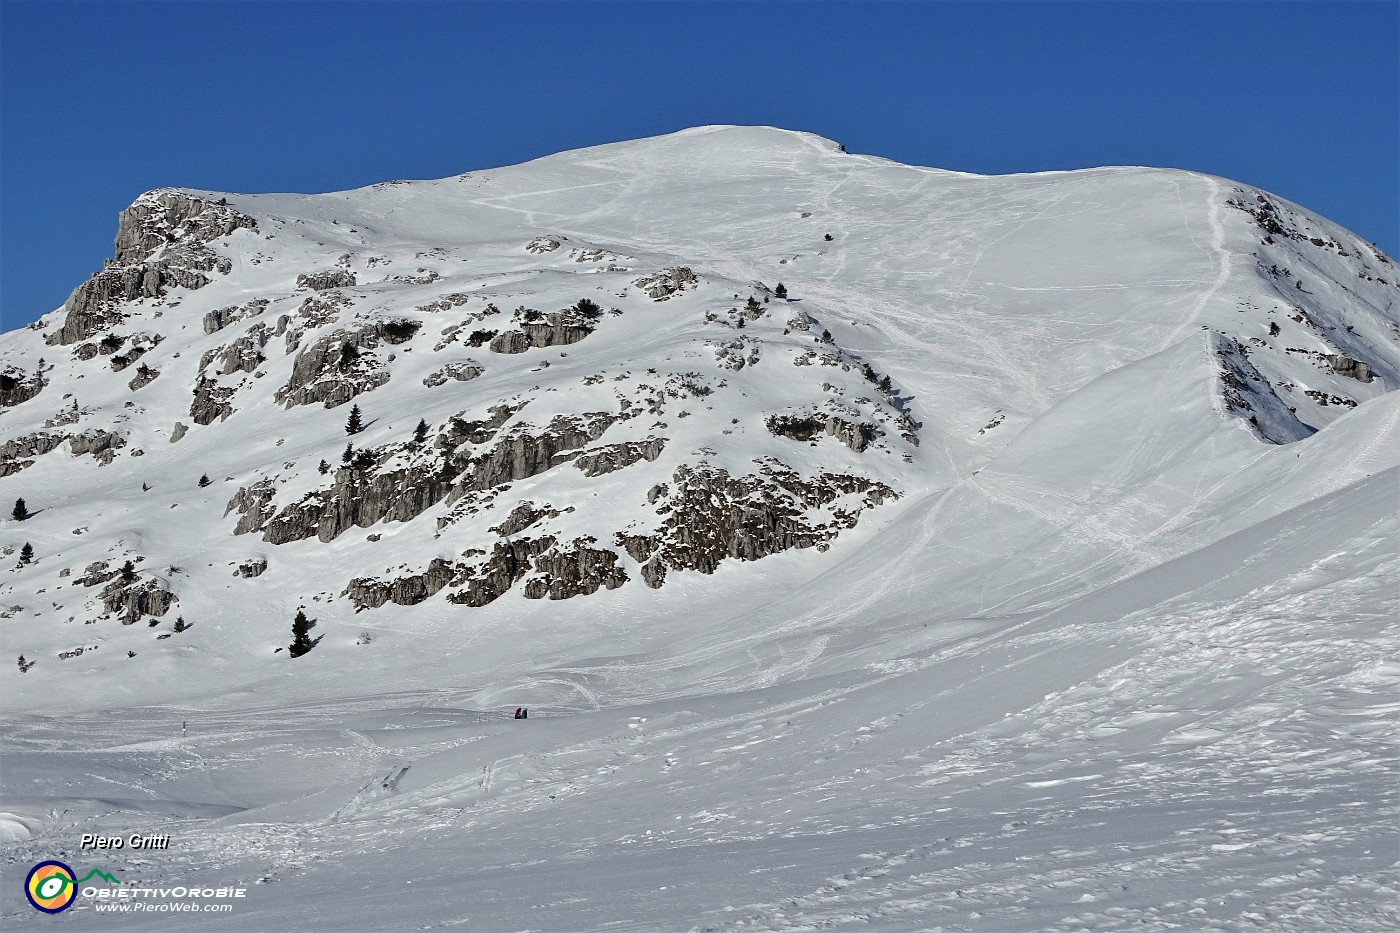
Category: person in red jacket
[517,712]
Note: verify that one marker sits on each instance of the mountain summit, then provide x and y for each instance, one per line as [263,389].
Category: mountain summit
[730,378]
[873,547]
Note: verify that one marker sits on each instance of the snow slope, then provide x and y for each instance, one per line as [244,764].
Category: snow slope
[1092,628]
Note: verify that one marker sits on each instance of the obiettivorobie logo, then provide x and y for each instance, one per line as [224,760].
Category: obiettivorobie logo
[52,886]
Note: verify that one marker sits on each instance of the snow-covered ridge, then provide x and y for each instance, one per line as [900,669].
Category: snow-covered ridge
[612,389]
[1027,561]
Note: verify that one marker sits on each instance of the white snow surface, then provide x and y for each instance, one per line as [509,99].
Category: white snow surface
[1115,658]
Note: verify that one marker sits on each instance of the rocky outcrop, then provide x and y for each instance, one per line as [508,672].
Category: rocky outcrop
[371,593]
[211,401]
[509,562]
[160,244]
[712,516]
[358,498]
[243,355]
[511,341]
[614,457]
[145,375]
[252,568]
[167,218]
[1346,366]
[253,505]
[19,454]
[574,569]
[178,431]
[322,281]
[558,329]
[94,305]
[667,283]
[103,445]
[17,387]
[461,371]
[216,321]
[131,601]
[795,427]
[525,454]
[856,435]
[338,366]
[523,516]
[543,244]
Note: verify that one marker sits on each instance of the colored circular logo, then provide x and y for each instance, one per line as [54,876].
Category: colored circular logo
[50,887]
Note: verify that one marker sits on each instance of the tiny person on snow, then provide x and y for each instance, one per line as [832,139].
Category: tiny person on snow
[518,712]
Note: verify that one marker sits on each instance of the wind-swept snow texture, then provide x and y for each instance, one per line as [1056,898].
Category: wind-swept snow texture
[1031,565]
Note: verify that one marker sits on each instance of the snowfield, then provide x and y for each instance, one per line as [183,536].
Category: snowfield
[1032,565]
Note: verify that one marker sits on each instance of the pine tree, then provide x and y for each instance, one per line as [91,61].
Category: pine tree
[752,304]
[301,635]
[179,625]
[24,665]
[26,553]
[420,433]
[21,511]
[128,572]
[354,425]
[781,291]
[349,454]
[204,481]
[828,238]
[323,467]
[589,309]
[885,383]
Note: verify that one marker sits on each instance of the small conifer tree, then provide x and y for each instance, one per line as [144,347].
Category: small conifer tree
[323,467]
[588,308]
[26,553]
[885,383]
[21,511]
[204,481]
[301,635]
[180,624]
[24,665]
[420,433]
[128,572]
[354,424]
[781,291]
[349,454]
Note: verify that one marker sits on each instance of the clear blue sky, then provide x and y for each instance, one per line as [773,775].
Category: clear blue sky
[102,101]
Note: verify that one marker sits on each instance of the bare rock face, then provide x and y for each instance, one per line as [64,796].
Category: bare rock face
[667,282]
[252,568]
[131,601]
[178,431]
[489,580]
[211,401]
[574,569]
[614,457]
[217,320]
[19,454]
[461,371]
[168,218]
[321,281]
[523,516]
[511,341]
[145,375]
[1346,366]
[370,593]
[543,244]
[16,387]
[103,445]
[712,516]
[340,366]
[243,355]
[253,505]
[160,244]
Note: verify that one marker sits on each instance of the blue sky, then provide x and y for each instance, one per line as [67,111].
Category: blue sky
[99,102]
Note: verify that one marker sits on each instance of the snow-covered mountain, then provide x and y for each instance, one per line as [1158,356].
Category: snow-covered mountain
[1092,471]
